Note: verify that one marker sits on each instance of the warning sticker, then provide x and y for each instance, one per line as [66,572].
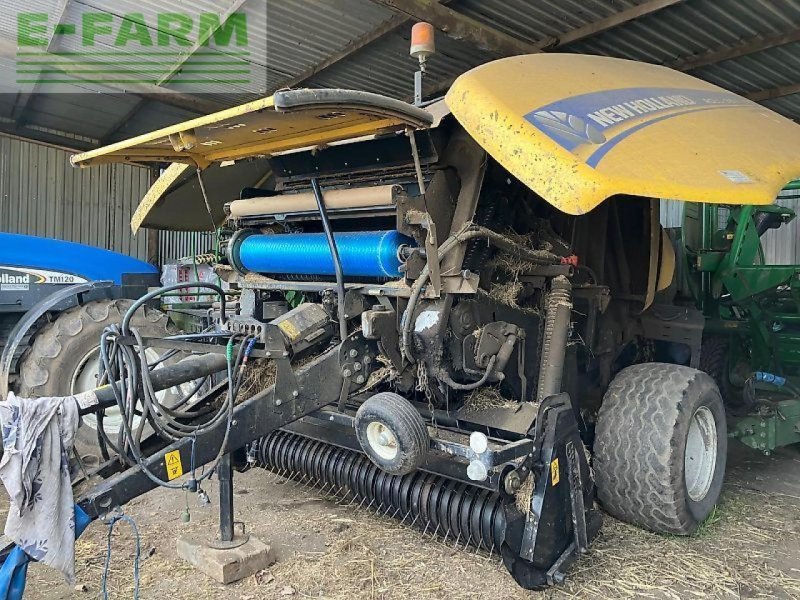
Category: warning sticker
[290,329]
[735,176]
[555,473]
[174,466]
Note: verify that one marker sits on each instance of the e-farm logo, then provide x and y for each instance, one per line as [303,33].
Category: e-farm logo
[107,48]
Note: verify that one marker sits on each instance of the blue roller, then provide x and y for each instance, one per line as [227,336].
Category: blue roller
[363,253]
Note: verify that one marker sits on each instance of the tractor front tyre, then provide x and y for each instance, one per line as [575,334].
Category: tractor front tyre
[65,355]
[660,447]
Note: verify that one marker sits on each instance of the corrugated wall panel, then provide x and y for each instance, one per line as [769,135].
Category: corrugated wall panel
[42,194]
[174,245]
[781,246]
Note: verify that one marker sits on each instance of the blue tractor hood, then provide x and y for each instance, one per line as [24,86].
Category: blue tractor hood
[48,255]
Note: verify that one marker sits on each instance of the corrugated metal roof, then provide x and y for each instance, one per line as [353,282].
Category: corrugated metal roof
[289,37]
[693,27]
[534,20]
[387,68]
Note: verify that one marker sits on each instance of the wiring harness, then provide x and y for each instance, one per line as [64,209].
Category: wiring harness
[125,368]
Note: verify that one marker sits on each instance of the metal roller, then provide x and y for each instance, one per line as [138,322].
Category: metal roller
[362,253]
[435,504]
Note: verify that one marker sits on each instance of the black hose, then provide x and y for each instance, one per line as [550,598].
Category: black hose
[125,367]
[337,263]
[170,288]
[445,377]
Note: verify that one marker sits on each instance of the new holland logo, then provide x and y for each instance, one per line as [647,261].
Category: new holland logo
[568,127]
[6,279]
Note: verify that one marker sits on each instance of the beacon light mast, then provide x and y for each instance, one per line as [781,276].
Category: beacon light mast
[423,45]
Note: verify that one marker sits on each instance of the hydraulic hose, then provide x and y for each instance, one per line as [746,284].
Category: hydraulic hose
[445,377]
[337,263]
[126,320]
[133,385]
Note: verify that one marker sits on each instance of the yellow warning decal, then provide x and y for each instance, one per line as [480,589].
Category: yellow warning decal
[289,329]
[174,466]
[555,473]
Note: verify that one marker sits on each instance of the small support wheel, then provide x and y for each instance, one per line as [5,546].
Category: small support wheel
[392,433]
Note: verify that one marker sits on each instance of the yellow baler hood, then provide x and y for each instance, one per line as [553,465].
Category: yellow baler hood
[288,120]
[579,129]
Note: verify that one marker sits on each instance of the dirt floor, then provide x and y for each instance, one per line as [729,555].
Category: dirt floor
[749,548]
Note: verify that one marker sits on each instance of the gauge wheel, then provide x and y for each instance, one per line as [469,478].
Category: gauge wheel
[392,433]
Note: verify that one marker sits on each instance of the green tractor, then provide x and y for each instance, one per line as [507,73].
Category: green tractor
[751,343]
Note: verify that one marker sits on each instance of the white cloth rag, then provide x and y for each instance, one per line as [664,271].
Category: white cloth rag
[38,435]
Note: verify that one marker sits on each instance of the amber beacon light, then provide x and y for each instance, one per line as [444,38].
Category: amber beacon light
[423,45]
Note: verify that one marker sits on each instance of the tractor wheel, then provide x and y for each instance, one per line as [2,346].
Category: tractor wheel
[65,354]
[715,360]
[660,447]
[392,433]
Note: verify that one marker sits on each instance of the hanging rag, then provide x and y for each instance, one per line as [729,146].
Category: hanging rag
[38,435]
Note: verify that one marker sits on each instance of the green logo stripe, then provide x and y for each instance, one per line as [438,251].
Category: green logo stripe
[124,71]
[27,63]
[106,81]
[174,55]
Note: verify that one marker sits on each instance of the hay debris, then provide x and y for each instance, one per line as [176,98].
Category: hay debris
[747,549]
[507,293]
[524,495]
[511,263]
[487,397]
[258,376]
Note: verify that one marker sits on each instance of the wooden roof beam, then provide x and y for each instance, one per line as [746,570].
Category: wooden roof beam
[201,41]
[574,35]
[610,22]
[772,93]
[348,50]
[746,47]
[459,26]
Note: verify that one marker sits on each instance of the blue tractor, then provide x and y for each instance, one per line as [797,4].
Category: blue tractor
[56,298]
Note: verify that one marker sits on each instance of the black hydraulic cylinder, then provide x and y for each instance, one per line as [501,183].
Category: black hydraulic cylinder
[166,377]
[556,333]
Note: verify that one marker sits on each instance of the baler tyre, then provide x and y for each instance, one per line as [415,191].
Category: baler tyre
[63,353]
[392,433]
[660,447]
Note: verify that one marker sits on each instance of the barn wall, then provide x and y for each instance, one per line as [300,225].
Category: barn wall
[42,194]
[175,245]
[781,246]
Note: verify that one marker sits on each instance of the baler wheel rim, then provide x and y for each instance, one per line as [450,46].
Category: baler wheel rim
[701,454]
[382,440]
